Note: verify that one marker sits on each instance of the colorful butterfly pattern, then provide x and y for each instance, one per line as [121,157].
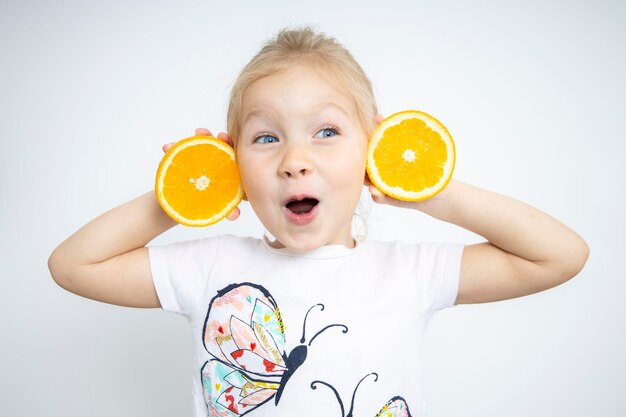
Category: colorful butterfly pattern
[245,335]
[395,407]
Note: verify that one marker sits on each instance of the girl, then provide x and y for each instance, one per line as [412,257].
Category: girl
[302,323]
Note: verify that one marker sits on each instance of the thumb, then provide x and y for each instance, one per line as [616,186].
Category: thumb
[377,195]
[234,215]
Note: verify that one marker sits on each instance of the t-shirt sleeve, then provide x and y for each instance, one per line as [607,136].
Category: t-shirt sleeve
[439,271]
[180,271]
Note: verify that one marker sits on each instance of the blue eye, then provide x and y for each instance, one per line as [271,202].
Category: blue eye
[329,132]
[265,139]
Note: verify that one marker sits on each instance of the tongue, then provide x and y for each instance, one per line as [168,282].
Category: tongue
[302,206]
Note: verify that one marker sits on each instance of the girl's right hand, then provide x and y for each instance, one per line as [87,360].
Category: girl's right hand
[222,136]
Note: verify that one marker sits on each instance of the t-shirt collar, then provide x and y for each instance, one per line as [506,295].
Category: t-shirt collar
[323,252]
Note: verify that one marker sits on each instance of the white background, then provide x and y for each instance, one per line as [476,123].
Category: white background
[532,92]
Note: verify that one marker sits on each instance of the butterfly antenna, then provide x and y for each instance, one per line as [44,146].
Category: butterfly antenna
[334,391]
[303,339]
[345,330]
[357,387]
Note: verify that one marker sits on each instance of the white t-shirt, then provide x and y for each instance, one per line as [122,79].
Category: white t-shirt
[247,305]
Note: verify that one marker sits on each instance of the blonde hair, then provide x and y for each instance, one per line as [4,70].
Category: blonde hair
[293,46]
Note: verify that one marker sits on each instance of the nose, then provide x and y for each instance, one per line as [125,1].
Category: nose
[295,162]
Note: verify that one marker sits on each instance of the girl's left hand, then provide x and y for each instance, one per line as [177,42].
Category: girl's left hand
[430,206]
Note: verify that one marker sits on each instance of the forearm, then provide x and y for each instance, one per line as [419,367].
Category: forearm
[122,229]
[509,224]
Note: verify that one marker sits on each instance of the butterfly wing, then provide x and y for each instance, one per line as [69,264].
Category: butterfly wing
[244,334]
[395,407]
[229,392]
[244,316]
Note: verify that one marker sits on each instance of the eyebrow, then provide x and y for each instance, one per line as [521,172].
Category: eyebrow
[318,107]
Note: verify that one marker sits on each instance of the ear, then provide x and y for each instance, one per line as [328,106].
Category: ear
[378,119]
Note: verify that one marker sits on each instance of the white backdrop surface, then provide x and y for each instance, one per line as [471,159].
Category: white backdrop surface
[532,91]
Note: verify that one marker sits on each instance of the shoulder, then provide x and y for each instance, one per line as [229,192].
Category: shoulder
[411,250]
[239,242]
[427,269]
[430,260]
[210,246]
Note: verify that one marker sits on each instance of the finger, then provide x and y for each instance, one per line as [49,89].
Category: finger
[167,146]
[224,136]
[203,131]
[379,119]
[377,195]
[233,215]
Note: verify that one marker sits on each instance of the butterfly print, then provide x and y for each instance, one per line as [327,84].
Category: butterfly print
[395,407]
[245,335]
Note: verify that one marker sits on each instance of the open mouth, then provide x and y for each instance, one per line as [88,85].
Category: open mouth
[302,206]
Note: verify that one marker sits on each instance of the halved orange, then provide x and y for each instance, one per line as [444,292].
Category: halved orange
[197,182]
[410,156]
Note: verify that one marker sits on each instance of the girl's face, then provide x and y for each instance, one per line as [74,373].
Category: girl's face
[301,155]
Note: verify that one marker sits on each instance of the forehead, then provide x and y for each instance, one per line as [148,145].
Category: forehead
[267,112]
[298,89]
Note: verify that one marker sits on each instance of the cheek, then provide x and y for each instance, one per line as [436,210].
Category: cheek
[348,173]
[255,187]
[252,176]
[352,161]
[252,182]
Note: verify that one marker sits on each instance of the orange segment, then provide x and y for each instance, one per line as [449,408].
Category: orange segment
[410,156]
[197,182]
